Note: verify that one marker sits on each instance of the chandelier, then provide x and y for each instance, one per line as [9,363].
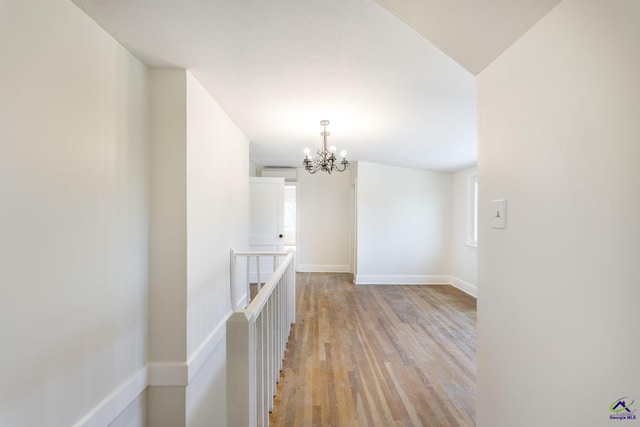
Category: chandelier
[325,159]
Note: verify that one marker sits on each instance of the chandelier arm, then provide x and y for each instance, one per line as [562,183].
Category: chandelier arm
[344,167]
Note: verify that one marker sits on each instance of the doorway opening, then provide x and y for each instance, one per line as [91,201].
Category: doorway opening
[289,217]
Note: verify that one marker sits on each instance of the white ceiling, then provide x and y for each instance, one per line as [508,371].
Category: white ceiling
[472,32]
[278,67]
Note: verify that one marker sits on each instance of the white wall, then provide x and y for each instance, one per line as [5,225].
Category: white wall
[217,205]
[74,176]
[464,258]
[558,300]
[217,220]
[168,238]
[323,221]
[200,204]
[168,247]
[403,225]
[114,262]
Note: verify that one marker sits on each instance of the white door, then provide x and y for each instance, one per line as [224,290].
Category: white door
[266,231]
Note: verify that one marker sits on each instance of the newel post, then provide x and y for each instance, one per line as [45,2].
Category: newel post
[241,371]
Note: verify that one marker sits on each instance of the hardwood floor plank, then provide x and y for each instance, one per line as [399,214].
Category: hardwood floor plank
[378,356]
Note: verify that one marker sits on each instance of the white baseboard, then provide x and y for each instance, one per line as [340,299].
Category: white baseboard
[170,374]
[466,287]
[401,280]
[117,401]
[311,268]
[207,348]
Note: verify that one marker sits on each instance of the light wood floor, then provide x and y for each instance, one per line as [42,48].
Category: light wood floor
[378,356]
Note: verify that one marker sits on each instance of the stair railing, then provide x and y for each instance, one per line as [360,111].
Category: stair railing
[257,336]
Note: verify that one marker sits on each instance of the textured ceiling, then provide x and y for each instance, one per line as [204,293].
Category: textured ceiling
[278,67]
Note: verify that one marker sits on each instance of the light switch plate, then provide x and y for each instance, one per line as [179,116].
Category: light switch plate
[499,213]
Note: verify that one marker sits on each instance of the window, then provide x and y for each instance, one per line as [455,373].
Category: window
[472,210]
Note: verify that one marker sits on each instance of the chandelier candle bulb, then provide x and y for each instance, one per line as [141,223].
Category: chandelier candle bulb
[325,159]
